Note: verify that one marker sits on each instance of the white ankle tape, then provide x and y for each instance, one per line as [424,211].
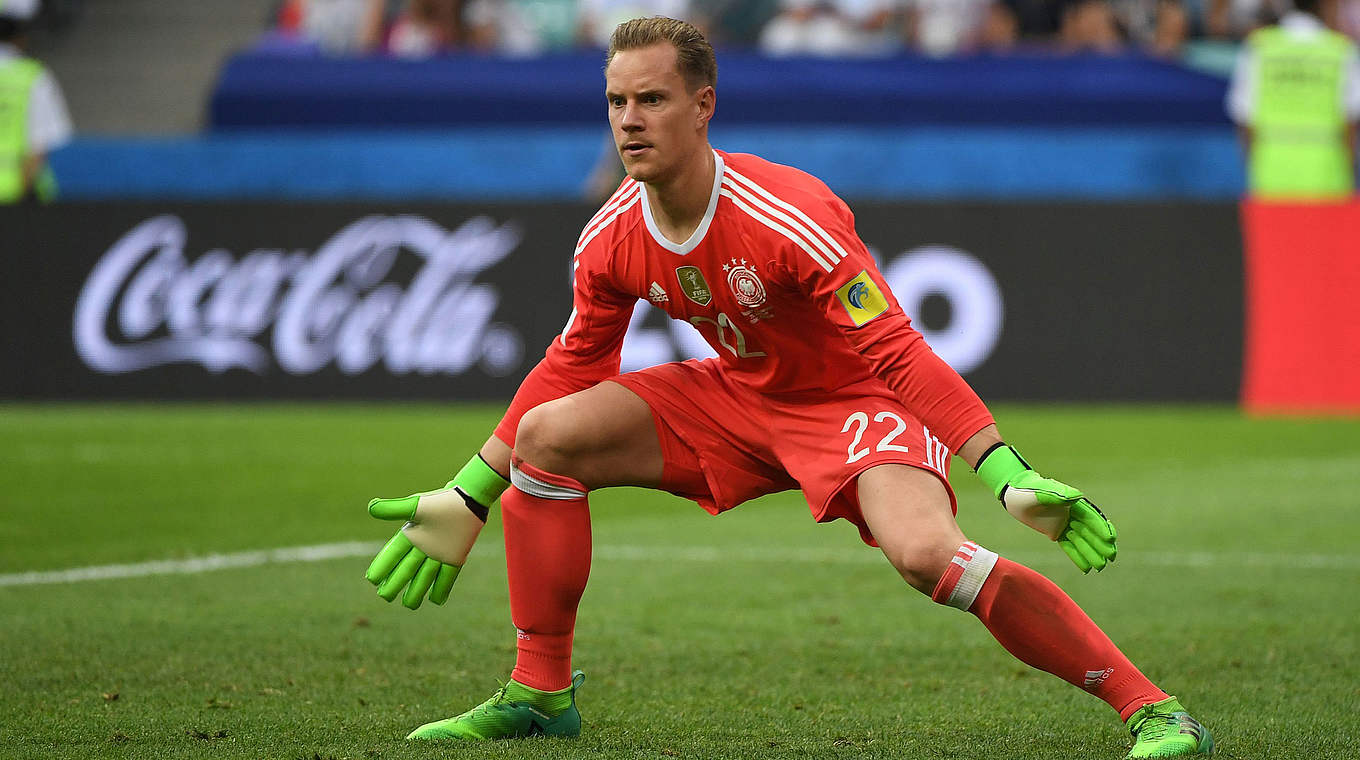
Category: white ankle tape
[541,488]
[977,564]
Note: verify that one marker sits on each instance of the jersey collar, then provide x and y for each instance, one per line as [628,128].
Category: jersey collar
[699,232]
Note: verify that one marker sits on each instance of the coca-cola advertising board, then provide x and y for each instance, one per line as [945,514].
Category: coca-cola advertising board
[363,301]
[191,301]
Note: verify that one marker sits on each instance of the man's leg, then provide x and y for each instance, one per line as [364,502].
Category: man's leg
[602,436]
[908,511]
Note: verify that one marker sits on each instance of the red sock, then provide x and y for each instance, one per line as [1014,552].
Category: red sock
[1035,621]
[547,555]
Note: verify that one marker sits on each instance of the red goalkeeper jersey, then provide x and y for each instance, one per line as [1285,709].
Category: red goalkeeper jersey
[777,282]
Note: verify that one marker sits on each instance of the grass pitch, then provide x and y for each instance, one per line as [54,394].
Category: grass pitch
[755,634]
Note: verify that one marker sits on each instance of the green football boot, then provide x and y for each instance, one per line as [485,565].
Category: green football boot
[513,712]
[1165,729]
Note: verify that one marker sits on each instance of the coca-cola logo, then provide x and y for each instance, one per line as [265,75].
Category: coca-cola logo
[146,304]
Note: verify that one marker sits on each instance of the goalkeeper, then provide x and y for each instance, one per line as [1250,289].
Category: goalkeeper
[820,384]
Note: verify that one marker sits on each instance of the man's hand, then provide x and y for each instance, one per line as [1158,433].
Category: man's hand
[1055,509]
[429,550]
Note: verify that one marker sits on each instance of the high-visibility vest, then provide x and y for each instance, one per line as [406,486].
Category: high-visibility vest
[16,85]
[1299,126]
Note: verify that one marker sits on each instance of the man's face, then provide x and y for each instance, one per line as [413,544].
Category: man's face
[658,123]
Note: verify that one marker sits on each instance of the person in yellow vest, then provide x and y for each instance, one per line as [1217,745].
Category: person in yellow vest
[33,116]
[1295,96]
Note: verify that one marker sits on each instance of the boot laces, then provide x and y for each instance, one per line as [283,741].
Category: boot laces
[1155,727]
[490,704]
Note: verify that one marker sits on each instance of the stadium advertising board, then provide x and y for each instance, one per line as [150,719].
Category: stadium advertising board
[349,301]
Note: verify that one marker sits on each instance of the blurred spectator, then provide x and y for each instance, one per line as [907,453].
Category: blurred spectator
[1089,26]
[426,28]
[1159,27]
[1001,29]
[807,27]
[337,27]
[521,27]
[1295,95]
[736,23]
[1347,14]
[832,28]
[1036,19]
[1235,19]
[33,116]
[599,17]
[947,27]
[877,23]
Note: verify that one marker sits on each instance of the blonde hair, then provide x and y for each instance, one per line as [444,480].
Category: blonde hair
[694,56]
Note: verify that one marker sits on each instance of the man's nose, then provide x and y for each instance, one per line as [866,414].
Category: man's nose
[630,120]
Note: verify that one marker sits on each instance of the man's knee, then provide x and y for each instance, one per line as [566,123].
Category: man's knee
[922,564]
[602,436]
[550,439]
[909,512]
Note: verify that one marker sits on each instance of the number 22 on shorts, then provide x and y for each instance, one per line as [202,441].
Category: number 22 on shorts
[860,421]
[936,452]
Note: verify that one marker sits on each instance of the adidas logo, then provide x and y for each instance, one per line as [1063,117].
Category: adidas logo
[1095,678]
[1188,725]
[657,294]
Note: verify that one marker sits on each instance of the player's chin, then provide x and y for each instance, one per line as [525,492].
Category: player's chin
[640,171]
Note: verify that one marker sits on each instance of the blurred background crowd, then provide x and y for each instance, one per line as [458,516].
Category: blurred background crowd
[420,28]
[1145,79]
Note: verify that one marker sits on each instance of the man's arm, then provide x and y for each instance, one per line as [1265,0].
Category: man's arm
[943,400]
[1351,132]
[979,444]
[31,166]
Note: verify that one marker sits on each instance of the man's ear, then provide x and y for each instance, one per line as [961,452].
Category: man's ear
[707,101]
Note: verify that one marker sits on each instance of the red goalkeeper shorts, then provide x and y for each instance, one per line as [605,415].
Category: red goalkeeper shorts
[725,444]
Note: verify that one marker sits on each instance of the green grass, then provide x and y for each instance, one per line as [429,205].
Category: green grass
[1235,589]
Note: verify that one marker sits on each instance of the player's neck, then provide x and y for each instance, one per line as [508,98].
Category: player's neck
[678,205]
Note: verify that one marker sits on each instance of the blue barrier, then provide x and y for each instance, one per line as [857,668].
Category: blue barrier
[467,164]
[266,91]
[524,163]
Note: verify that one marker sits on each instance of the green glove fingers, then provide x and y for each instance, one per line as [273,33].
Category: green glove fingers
[400,563]
[1075,556]
[1091,559]
[1086,513]
[1091,538]
[443,583]
[415,593]
[403,508]
[1098,531]
[388,557]
[406,570]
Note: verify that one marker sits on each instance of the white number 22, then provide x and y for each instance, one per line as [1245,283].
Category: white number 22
[860,421]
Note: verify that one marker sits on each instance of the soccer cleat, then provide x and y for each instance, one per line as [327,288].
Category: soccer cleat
[1165,729]
[513,712]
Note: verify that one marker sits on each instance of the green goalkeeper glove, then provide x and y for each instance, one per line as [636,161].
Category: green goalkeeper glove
[1055,509]
[427,553]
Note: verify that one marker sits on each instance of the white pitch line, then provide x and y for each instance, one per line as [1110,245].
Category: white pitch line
[191,565]
[662,553]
